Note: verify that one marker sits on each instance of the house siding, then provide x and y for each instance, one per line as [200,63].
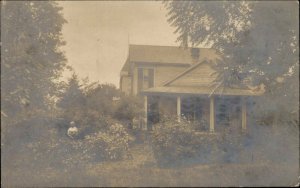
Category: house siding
[165,73]
[208,54]
[200,76]
[162,73]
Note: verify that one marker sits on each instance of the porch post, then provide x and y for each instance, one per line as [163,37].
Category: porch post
[178,108]
[244,114]
[212,114]
[146,111]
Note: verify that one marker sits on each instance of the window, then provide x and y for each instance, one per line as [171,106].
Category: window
[192,108]
[145,78]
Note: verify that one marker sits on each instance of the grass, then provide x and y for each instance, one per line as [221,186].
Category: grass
[142,170]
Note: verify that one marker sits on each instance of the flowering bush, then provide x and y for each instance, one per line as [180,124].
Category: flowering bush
[176,142]
[110,145]
[38,144]
[173,141]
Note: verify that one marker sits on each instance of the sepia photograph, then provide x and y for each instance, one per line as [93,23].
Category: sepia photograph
[165,93]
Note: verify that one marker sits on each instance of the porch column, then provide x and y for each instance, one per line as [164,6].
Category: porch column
[244,114]
[146,111]
[178,108]
[212,114]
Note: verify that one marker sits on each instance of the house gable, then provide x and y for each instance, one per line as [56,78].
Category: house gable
[198,75]
[167,62]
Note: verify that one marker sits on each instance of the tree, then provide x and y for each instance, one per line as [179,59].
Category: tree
[31,58]
[258,40]
[72,100]
[89,105]
[128,108]
[100,98]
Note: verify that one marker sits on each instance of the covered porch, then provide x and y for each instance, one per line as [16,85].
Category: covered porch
[212,110]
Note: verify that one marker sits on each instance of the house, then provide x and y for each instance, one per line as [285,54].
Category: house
[179,82]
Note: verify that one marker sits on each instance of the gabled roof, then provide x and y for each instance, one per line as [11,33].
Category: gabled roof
[172,55]
[161,54]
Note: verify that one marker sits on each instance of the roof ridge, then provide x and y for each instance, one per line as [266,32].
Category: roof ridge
[150,45]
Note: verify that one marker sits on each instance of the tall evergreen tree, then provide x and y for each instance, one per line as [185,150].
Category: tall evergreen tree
[72,100]
[31,57]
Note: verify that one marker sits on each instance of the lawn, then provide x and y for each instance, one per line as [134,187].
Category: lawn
[142,170]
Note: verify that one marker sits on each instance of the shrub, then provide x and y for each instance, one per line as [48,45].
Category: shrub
[38,144]
[128,108]
[229,145]
[173,141]
[93,124]
[110,145]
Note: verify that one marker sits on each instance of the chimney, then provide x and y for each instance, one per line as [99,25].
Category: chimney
[195,53]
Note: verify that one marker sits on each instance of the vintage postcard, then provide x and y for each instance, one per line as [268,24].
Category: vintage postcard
[149,93]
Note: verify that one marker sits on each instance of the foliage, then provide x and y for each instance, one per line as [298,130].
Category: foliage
[178,142]
[95,106]
[38,144]
[36,140]
[110,145]
[73,95]
[256,36]
[72,99]
[89,105]
[101,97]
[258,41]
[31,58]
[128,108]
[175,141]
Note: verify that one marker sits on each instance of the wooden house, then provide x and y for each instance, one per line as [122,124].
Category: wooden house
[178,81]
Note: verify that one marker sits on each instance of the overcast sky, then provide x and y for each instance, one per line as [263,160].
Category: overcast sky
[98,32]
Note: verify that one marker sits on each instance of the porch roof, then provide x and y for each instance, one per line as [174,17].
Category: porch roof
[203,91]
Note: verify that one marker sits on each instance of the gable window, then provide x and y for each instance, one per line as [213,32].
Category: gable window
[145,78]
